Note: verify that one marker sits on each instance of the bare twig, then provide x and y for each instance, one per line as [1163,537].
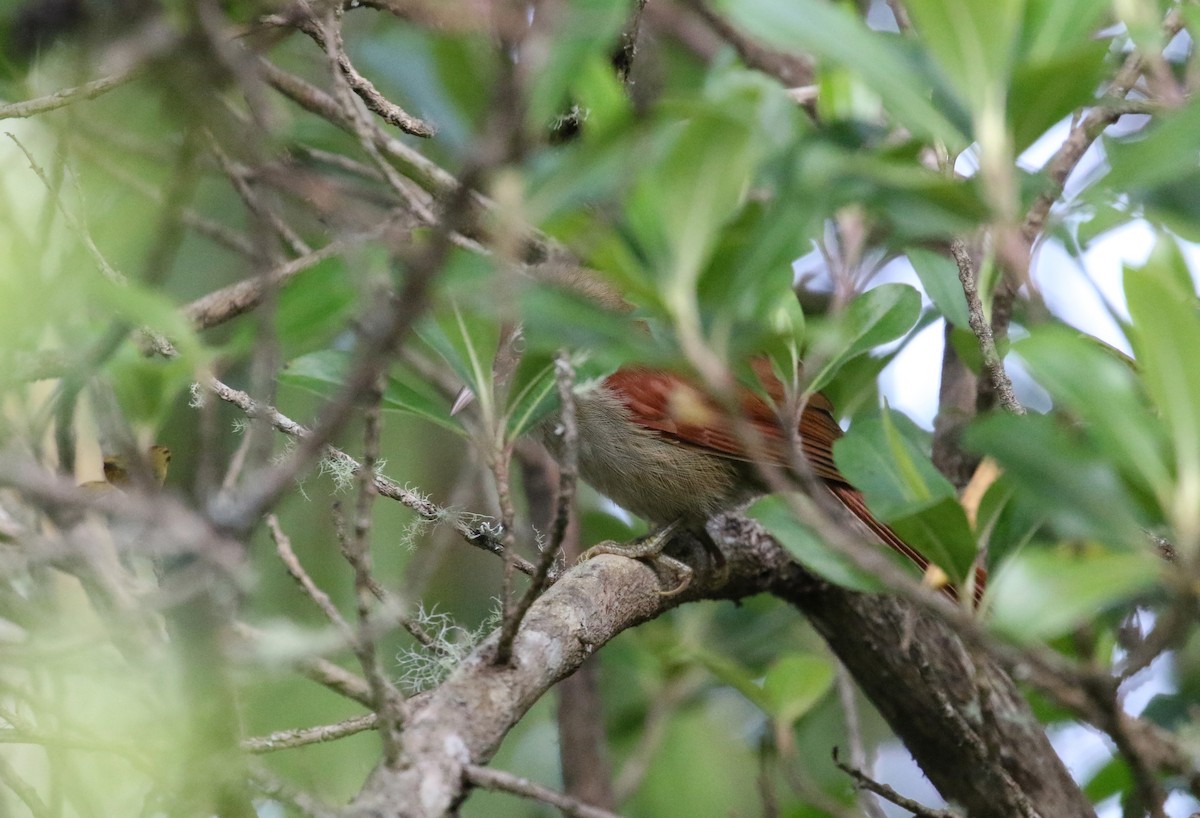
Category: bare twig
[564,375]
[865,782]
[229,302]
[67,96]
[858,754]
[507,782]
[303,736]
[479,536]
[300,16]
[277,788]
[358,554]
[283,547]
[789,69]
[23,790]
[982,328]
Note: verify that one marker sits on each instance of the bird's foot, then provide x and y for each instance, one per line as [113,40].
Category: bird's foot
[650,549]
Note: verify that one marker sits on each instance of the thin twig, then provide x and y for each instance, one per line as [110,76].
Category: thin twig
[238,179]
[507,782]
[479,536]
[568,475]
[982,328]
[300,16]
[858,754]
[283,547]
[67,96]
[864,781]
[229,302]
[303,736]
[23,790]
[358,554]
[270,784]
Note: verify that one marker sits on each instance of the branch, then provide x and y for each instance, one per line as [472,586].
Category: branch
[863,781]
[982,328]
[303,736]
[478,535]
[67,96]
[507,782]
[995,760]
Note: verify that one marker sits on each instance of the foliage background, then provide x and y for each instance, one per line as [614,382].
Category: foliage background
[693,186]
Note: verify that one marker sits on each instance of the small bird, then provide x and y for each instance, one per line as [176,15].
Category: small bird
[657,445]
[116,469]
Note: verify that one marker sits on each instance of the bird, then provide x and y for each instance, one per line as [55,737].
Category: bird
[659,445]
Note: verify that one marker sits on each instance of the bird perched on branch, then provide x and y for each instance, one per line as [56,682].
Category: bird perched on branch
[660,446]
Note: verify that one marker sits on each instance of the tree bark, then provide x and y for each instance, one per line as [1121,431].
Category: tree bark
[958,713]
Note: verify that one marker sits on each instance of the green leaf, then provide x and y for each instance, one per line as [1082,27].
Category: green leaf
[904,489]
[467,341]
[1166,336]
[730,673]
[532,393]
[794,684]
[1052,27]
[939,277]
[1059,472]
[943,534]
[972,40]
[894,475]
[1040,594]
[801,543]
[1102,391]
[323,373]
[1155,156]
[1003,523]
[1044,92]
[835,33]
[877,316]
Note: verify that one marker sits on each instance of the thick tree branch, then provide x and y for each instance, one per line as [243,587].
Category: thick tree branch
[958,712]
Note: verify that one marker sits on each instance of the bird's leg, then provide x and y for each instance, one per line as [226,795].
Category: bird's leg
[648,548]
[719,563]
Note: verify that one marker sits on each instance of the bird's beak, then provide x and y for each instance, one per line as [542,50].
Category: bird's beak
[465,396]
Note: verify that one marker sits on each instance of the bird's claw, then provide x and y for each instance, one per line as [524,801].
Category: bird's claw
[649,549]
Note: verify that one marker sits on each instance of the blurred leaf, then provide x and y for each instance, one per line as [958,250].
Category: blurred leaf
[531,394]
[1166,336]
[1101,391]
[575,59]
[554,318]
[1155,156]
[794,684]
[1061,474]
[801,543]
[1043,593]
[314,307]
[836,33]
[939,277]
[1044,92]
[971,39]
[678,207]
[879,315]
[1052,27]
[142,308]
[1111,779]
[942,533]
[893,474]
[323,373]
[146,388]
[1004,522]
